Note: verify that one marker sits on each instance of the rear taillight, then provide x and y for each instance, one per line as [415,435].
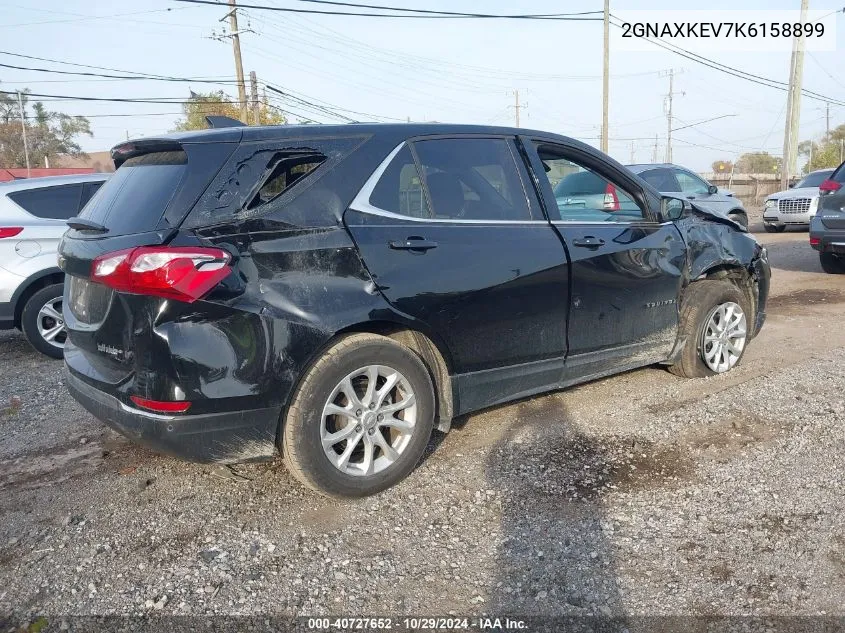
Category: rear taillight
[829,186]
[161,406]
[181,273]
[611,200]
[10,231]
[815,241]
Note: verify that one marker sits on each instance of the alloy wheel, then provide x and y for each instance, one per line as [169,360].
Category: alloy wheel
[724,337]
[368,420]
[51,323]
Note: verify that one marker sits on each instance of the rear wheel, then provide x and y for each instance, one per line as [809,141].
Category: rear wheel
[774,228]
[42,321]
[361,418]
[715,321]
[833,264]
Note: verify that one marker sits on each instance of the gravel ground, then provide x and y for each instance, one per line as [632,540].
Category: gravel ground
[641,494]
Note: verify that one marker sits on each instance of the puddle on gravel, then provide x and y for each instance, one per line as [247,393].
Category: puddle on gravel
[35,471]
[803,298]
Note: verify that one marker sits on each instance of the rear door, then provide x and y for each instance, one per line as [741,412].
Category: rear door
[452,233]
[626,266]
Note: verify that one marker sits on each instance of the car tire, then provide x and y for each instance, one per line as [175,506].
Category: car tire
[703,305]
[41,316]
[739,218]
[365,467]
[774,228]
[832,264]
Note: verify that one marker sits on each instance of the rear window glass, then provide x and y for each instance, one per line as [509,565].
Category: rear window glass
[88,191]
[55,203]
[136,196]
[660,179]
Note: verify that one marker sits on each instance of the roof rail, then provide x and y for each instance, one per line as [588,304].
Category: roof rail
[223,121]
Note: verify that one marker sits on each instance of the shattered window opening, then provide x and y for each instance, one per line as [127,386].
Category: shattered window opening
[287,170]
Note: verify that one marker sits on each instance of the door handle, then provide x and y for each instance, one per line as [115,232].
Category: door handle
[413,243]
[588,242]
[690,197]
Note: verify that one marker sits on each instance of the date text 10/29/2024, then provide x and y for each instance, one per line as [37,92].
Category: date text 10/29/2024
[414,624]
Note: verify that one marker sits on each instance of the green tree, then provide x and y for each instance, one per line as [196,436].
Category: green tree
[826,153]
[48,134]
[218,103]
[722,166]
[758,163]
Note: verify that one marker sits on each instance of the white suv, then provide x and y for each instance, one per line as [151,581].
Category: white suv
[33,216]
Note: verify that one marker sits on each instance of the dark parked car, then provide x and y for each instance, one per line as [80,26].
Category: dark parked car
[336,292]
[674,179]
[827,227]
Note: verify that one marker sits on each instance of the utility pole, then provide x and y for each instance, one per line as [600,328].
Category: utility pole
[670,97]
[605,96]
[23,132]
[239,67]
[632,153]
[654,153]
[793,103]
[827,121]
[516,107]
[253,98]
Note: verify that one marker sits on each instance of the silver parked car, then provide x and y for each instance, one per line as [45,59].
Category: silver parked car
[33,215]
[674,179]
[797,205]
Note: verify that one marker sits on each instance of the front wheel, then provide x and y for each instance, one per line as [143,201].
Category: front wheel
[42,321]
[714,320]
[360,419]
[832,264]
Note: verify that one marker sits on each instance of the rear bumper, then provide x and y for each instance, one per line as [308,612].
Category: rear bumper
[7,316]
[212,437]
[826,239]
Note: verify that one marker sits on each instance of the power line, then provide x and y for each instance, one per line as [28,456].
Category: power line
[115,70]
[133,77]
[423,16]
[432,11]
[171,100]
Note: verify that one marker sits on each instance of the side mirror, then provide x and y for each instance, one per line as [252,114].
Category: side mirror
[712,189]
[674,208]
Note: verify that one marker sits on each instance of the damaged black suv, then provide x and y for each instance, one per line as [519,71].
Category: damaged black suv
[337,292]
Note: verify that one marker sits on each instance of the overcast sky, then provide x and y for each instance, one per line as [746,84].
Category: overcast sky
[444,70]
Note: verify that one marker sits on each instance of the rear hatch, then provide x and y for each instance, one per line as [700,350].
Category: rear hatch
[832,200]
[119,241]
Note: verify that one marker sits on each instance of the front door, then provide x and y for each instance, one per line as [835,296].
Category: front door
[626,264]
[452,233]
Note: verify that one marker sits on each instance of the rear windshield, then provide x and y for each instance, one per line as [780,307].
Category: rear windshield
[581,183]
[136,196]
[839,174]
[813,180]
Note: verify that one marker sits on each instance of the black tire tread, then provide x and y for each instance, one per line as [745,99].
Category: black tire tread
[698,299]
[29,315]
[832,264]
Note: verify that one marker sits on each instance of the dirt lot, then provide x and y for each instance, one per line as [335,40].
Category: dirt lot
[639,494]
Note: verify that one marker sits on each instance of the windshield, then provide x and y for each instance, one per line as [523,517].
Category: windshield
[814,179]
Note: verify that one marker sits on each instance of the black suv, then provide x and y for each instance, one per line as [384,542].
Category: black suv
[827,227]
[336,292]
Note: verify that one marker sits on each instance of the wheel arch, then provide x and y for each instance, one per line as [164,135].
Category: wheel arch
[33,284]
[740,276]
[433,353]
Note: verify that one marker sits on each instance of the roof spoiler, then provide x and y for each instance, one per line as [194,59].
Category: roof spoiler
[215,122]
[124,151]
